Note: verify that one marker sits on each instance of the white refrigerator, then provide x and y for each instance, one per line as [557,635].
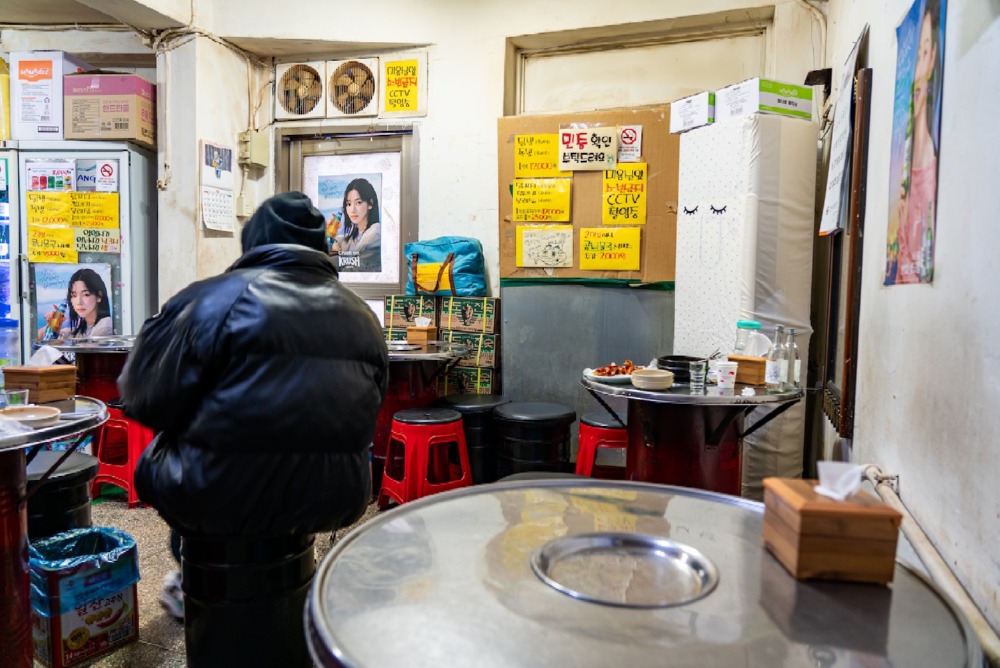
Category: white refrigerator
[78,215]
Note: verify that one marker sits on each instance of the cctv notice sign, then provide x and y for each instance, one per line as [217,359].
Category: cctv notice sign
[624,192]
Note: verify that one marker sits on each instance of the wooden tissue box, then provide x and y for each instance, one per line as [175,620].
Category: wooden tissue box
[750,369]
[421,335]
[44,383]
[815,537]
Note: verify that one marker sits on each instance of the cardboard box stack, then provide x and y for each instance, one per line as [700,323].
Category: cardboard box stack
[36,92]
[402,311]
[109,105]
[474,321]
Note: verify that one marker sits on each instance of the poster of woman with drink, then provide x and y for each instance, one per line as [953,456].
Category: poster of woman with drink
[916,140]
[72,301]
[350,204]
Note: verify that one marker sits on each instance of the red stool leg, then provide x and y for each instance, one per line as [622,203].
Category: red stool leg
[436,440]
[395,481]
[587,450]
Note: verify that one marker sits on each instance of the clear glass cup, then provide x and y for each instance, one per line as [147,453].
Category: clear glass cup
[697,372]
[15,397]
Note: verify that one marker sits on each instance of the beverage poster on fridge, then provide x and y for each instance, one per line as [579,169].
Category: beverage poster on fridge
[73,244]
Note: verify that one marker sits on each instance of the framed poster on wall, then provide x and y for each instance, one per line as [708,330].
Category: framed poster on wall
[365,188]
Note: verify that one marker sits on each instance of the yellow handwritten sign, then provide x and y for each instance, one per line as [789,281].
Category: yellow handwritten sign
[97,240]
[48,208]
[537,155]
[610,248]
[50,244]
[73,209]
[541,200]
[401,79]
[624,195]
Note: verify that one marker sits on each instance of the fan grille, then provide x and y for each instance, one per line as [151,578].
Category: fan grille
[352,87]
[300,89]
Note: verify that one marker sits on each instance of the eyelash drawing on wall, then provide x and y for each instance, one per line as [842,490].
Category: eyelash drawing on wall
[690,212]
[717,212]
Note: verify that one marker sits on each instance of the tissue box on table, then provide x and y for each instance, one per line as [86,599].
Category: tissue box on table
[421,335]
[44,383]
[815,537]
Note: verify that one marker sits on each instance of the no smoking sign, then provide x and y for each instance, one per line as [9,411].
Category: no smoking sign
[107,176]
[630,143]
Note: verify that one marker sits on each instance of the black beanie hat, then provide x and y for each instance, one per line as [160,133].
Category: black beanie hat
[288,218]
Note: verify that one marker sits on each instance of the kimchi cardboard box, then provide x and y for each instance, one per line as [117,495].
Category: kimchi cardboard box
[109,105]
[470,314]
[402,311]
[36,92]
[466,380]
[484,349]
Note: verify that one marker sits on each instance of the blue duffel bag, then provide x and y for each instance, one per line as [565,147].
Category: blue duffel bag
[446,266]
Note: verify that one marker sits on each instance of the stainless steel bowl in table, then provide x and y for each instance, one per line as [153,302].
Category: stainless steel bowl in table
[587,573]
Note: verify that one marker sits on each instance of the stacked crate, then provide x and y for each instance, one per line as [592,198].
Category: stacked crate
[402,311]
[474,321]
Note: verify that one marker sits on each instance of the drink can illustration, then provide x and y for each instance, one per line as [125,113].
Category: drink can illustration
[52,182]
[34,181]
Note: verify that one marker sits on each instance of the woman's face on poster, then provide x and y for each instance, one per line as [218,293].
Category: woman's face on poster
[357,208]
[84,301]
[926,55]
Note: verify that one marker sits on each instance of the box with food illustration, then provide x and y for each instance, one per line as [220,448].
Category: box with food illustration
[83,596]
[403,310]
[484,348]
[468,380]
[470,314]
[394,333]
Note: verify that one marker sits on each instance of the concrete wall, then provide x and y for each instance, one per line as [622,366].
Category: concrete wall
[927,391]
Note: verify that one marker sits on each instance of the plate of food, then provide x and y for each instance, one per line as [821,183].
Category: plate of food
[614,373]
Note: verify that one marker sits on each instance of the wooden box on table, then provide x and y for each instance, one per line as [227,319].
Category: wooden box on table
[421,336]
[750,369]
[815,537]
[44,383]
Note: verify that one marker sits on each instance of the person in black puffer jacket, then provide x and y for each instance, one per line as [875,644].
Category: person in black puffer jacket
[263,385]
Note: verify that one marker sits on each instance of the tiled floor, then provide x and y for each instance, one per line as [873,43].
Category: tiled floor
[161,637]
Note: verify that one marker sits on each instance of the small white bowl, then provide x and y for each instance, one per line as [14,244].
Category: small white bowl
[33,416]
[652,379]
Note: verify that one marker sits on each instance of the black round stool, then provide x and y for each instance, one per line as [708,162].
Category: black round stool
[534,436]
[63,501]
[481,440]
[236,586]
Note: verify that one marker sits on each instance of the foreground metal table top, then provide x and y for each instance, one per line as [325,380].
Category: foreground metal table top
[447,580]
[79,414]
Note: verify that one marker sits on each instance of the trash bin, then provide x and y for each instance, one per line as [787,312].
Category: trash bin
[244,600]
[63,500]
[83,595]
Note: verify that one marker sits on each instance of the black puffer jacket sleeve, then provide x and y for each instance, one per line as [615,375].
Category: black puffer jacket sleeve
[264,384]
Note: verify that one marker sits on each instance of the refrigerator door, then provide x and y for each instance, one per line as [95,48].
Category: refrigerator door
[88,230]
[9,298]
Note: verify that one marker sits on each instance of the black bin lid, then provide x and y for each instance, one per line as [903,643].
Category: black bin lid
[535,411]
[473,403]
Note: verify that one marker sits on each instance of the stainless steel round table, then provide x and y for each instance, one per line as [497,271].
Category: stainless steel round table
[677,437]
[479,577]
[79,416]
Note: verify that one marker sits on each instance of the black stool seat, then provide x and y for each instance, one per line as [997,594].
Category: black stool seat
[601,419]
[63,500]
[473,403]
[534,411]
[427,416]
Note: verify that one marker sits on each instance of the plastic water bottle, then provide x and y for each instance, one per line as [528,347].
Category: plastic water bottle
[776,366]
[10,344]
[744,328]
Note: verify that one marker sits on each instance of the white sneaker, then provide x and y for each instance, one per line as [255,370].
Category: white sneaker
[172,597]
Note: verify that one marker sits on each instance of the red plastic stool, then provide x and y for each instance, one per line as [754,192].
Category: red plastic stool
[119,443]
[598,429]
[426,455]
